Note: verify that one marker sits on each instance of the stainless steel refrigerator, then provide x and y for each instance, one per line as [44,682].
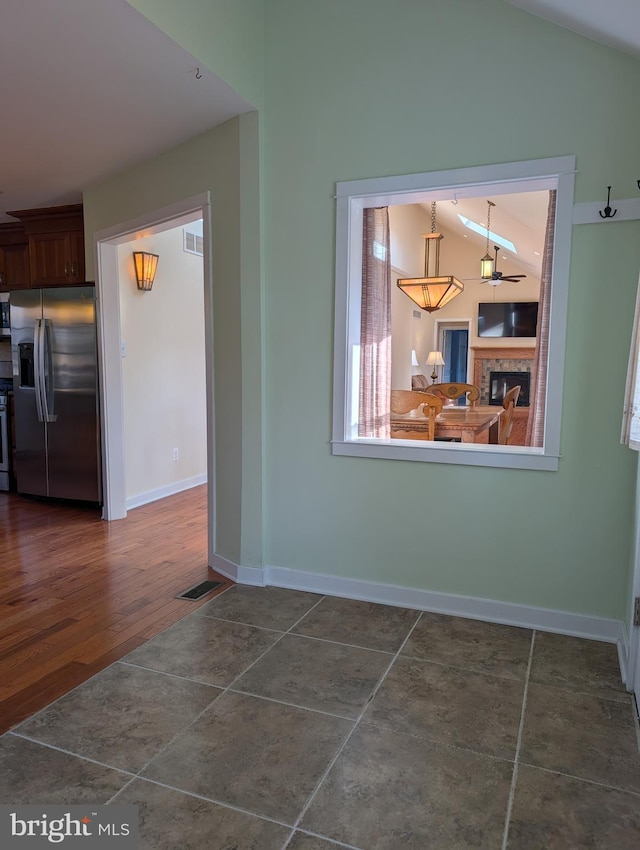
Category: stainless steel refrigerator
[55,391]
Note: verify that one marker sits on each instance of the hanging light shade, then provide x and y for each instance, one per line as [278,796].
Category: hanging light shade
[488,263]
[145,269]
[433,291]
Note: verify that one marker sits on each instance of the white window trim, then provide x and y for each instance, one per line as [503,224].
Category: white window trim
[352,198]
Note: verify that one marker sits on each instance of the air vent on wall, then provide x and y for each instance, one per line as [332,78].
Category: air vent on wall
[193,243]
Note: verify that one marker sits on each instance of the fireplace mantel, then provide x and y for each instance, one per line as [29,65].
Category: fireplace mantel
[497,353]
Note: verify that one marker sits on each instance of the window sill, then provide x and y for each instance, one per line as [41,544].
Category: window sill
[466,454]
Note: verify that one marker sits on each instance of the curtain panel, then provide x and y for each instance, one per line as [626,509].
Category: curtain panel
[535,423]
[375,329]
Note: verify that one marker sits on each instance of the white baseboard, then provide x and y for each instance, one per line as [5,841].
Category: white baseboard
[163,492]
[475,608]
[238,573]
[507,613]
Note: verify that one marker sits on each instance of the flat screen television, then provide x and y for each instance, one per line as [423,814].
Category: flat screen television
[507,318]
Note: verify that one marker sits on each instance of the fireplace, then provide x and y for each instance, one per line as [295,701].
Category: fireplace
[501,382]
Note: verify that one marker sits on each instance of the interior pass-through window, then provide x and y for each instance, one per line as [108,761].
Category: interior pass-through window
[420,256]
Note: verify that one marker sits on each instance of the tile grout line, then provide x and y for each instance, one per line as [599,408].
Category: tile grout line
[48,746]
[138,774]
[369,699]
[583,779]
[197,796]
[112,664]
[514,775]
[339,844]
[275,643]
[222,690]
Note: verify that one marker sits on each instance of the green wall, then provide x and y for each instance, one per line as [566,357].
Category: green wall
[226,35]
[224,162]
[368,88]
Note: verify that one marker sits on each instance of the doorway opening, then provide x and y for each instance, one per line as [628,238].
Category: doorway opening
[111,349]
[452,338]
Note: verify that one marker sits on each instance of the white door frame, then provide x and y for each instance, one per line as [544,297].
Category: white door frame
[109,348]
[439,325]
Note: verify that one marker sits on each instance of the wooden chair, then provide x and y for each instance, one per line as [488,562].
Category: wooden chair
[455,391]
[403,401]
[505,422]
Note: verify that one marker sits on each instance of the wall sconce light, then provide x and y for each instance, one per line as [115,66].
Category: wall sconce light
[435,359]
[414,358]
[146,265]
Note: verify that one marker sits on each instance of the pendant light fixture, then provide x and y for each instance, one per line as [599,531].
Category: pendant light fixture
[488,263]
[432,291]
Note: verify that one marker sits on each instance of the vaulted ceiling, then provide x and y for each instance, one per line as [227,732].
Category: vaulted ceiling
[615,23]
[95,87]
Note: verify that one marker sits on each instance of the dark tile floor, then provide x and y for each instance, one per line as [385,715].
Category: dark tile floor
[271,719]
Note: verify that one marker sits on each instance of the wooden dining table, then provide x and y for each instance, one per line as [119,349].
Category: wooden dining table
[468,424]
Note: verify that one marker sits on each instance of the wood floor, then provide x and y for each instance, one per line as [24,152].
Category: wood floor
[78,593]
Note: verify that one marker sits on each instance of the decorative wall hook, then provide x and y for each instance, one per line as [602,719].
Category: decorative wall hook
[638,182]
[198,74]
[607,210]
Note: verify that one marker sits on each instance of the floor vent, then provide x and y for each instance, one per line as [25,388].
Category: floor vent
[199,590]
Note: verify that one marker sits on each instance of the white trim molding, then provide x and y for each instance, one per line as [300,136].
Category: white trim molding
[352,198]
[475,608]
[167,490]
[254,576]
[626,209]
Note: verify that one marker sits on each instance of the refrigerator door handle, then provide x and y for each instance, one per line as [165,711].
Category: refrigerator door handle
[37,383]
[47,371]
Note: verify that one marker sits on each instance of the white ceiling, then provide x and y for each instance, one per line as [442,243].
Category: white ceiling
[520,217]
[90,87]
[615,23]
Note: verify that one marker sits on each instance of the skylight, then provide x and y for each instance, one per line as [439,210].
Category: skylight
[494,238]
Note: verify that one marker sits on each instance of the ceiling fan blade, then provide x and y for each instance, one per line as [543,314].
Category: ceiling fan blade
[514,278]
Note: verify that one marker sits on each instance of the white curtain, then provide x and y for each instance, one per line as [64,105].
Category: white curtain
[631,410]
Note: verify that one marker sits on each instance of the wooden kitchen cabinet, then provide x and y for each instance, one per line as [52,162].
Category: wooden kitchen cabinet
[14,258]
[14,267]
[55,237]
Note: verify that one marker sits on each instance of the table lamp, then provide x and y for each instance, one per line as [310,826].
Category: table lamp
[435,359]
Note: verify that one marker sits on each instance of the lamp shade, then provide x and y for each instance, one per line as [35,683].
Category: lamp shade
[487,264]
[435,358]
[145,265]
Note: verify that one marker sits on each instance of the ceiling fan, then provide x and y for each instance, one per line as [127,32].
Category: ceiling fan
[496,276]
